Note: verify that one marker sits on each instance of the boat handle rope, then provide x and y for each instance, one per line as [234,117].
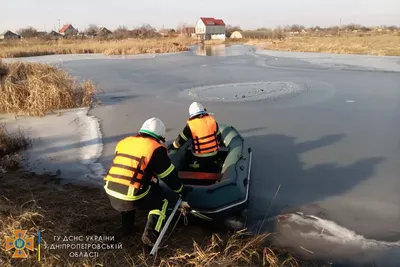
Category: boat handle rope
[185,222]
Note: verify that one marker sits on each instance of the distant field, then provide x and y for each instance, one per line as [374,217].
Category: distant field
[33,47]
[379,45]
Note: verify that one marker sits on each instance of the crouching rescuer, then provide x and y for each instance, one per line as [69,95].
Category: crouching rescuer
[130,181]
[206,139]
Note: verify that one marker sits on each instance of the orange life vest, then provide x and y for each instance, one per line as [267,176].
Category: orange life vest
[132,155]
[204,135]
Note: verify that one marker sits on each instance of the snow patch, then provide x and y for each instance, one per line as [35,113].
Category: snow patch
[340,61]
[328,240]
[90,134]
[335,233]
[68,142]
[53,59]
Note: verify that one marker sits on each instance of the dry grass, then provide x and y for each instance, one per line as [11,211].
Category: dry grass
[214,42]
[235,251]
[10,144]
[34,89]
[28,48]
[36,202]
[380,45]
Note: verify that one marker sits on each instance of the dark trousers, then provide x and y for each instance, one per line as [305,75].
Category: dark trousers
[154,200]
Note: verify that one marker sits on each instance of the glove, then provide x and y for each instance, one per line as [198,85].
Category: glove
[171,147]
[184,205]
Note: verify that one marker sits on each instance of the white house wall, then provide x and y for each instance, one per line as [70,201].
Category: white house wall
[200,27]
[218,36]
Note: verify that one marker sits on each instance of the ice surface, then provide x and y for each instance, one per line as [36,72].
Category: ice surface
[69,141]
[318,234]
[239,92]
[385,63]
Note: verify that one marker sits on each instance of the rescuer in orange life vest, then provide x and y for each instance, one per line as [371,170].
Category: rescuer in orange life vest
[206,138]
[129,182]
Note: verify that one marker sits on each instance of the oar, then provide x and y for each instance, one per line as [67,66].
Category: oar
[200,215]
[165,228]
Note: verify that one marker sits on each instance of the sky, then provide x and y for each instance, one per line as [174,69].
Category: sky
[46,15]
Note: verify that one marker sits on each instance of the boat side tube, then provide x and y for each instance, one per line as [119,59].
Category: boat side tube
[231,194]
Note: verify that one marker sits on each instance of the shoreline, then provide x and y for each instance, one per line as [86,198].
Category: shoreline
[379,45]
[34,202]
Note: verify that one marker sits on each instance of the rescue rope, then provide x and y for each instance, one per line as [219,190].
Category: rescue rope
[185,222]
[269,207]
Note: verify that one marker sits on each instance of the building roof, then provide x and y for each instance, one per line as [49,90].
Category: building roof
[164,31]
[4,33]
[54,33]
[104,29]
[213,21]
[65,27]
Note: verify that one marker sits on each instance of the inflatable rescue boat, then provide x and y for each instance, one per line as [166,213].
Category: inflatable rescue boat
[218,196]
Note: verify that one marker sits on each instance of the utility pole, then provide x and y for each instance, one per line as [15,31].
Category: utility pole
[340,25]
[59,25]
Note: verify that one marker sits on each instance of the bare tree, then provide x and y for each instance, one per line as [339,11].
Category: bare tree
[181,27]
[296,28]
[92,30]
[121,32]
[28,32]
[352,27]
[262,29]
[279,33]
[146,31]
[393,28]
[230,28]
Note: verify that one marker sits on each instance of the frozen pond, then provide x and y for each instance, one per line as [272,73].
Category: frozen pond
[324,130]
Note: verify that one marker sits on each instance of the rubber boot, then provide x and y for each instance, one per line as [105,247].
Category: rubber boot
[150,235]
[128,222]
[128,226]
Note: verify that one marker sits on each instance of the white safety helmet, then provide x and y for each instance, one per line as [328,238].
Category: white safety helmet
[154,127]
[196,109]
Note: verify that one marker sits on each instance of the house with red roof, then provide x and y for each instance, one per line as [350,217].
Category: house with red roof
[68,30]
[210,29]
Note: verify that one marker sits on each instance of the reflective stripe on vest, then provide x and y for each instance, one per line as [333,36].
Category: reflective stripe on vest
[204,136]
[128,195]
[127,173]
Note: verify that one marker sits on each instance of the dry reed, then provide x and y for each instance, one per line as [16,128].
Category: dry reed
[34,89]
[10,144]
[215,42]
[36,202]
[379,45]
[27,48]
